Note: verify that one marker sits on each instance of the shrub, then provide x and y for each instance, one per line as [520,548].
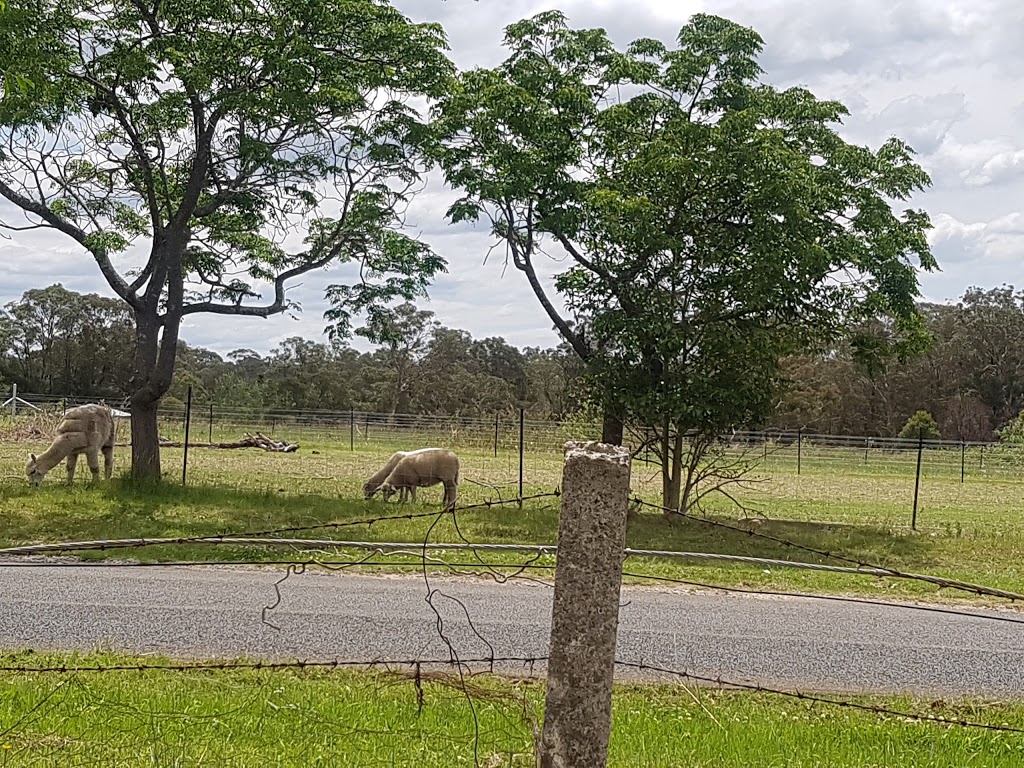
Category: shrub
[921,424]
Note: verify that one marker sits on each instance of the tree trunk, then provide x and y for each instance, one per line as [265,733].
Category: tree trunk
[672,471]
[612,428]
[145,441]
[155,354]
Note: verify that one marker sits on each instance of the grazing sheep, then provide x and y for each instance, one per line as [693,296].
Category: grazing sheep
[408,470]
[86,429]
[372,485]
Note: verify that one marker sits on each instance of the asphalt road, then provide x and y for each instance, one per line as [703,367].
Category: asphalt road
[793,642]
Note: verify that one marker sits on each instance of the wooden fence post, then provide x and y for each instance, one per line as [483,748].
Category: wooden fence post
[585,610]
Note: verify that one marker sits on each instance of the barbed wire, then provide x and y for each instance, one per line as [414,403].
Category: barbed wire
[465,665]
[542,549]
[833,598]
[327,564]
[242,537]
[940,581]
[405,549]
[298,664]
[845,703]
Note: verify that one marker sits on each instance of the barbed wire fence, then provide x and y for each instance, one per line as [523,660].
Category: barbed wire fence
[456,669]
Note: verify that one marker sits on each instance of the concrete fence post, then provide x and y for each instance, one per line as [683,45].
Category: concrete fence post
[585,611]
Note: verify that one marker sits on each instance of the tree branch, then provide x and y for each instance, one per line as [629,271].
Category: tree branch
[278,305]
[115,281]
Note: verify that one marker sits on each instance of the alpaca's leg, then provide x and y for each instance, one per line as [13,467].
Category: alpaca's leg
[92,455]
[72,460]
[108,461]
[451,494]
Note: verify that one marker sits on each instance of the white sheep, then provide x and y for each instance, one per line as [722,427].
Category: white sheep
[87,429]
[406,471]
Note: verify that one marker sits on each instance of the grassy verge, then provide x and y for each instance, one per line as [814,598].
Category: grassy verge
[351,718]
[972,531]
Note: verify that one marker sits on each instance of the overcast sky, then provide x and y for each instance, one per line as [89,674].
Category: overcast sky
[946,76]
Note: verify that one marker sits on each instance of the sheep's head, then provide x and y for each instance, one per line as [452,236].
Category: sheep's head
[387,490]
[32,470]
[369,489]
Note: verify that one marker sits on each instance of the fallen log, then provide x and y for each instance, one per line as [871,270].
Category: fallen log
[259,440]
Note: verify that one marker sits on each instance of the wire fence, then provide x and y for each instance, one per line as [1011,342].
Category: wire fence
[58,723]
[512,434]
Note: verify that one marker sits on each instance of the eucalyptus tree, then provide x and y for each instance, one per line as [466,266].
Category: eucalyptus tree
[404,333]
[712,223]
[203,155]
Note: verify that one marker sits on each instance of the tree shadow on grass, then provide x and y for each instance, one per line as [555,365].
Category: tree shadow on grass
[120,509]
[864,543]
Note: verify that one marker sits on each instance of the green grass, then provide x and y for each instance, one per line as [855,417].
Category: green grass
[972,531]
[354,718]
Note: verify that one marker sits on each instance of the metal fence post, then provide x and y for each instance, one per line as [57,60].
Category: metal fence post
[917,477]
[496,437]
[188,421]
[351,429]
[963,460]
[799,447]
[522,417]
[210,439]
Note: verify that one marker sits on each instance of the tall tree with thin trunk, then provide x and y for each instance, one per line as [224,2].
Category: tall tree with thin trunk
[404,333]
[203,154]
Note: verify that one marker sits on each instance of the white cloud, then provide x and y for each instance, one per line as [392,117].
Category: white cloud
[943,74]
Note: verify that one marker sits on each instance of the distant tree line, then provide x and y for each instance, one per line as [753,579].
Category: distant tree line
[58,342]
[971,380]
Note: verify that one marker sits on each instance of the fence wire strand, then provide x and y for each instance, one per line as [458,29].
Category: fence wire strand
[844,703]
[940,581]
[463,666]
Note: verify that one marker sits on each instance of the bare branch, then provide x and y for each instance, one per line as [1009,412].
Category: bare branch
[56,222]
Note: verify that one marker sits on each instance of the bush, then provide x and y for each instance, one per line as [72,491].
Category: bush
[1013,432]
[921,424]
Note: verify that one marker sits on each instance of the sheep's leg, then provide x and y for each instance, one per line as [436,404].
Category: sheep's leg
[451,493]
[412,492]
[92,455]
[108,461]
[72,460]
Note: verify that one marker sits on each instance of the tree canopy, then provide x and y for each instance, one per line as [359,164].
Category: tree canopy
[713,223]
[201,155]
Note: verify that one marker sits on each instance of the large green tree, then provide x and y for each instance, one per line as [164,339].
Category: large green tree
[713,223]
[201,154]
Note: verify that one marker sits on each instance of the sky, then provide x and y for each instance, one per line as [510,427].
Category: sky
[948,77]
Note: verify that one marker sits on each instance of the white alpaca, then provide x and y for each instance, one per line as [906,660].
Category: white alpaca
[406,471]
[86,429]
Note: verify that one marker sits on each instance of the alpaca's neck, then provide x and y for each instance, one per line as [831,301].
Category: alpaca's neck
[56,453]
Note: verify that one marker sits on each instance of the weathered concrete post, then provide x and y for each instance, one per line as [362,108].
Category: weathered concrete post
[585,614]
